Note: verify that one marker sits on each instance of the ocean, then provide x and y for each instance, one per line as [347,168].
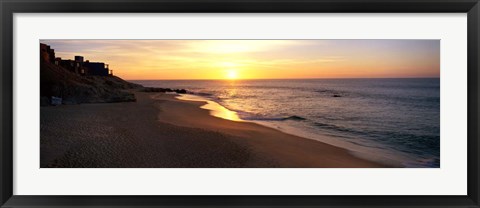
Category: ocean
[393,121]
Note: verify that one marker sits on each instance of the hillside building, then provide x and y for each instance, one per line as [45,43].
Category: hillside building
[78,65]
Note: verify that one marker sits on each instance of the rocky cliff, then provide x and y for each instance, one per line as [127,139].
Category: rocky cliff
[75,88]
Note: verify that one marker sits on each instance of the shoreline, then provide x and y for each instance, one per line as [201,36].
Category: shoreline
[220,111]
[233,125]
[161,131]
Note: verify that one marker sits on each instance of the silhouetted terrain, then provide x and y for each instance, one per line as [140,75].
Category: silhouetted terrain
[76,88]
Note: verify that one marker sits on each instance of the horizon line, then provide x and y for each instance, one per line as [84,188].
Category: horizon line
[283,79]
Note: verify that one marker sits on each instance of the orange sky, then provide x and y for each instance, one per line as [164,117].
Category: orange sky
[258,59]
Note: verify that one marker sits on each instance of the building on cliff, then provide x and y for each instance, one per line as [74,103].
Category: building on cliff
[46,53]
[78,65]
[96,68]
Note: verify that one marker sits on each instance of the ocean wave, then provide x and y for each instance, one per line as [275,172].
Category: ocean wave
[418,144]
[294,118]
[203,94]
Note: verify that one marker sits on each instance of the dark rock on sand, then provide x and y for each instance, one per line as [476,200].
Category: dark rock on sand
[158,89]
[181,91]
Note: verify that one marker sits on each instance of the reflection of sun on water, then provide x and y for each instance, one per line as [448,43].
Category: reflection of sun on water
[220,111]
[215,109]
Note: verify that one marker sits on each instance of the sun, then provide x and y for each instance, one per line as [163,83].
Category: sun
[232,74]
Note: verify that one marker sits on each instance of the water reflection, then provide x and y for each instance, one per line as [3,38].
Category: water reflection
[215,109]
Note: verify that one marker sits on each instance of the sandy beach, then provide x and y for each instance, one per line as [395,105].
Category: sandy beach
[160,131]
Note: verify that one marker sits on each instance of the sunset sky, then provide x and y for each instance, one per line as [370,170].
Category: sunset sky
[258,59]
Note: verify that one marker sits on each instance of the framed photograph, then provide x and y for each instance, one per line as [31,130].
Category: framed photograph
[239,103]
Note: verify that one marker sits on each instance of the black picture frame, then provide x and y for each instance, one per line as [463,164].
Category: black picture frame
[9,7]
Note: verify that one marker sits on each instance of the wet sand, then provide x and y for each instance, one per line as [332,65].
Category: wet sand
[160,131]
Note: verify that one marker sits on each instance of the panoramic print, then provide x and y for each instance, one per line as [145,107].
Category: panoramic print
[239,103]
